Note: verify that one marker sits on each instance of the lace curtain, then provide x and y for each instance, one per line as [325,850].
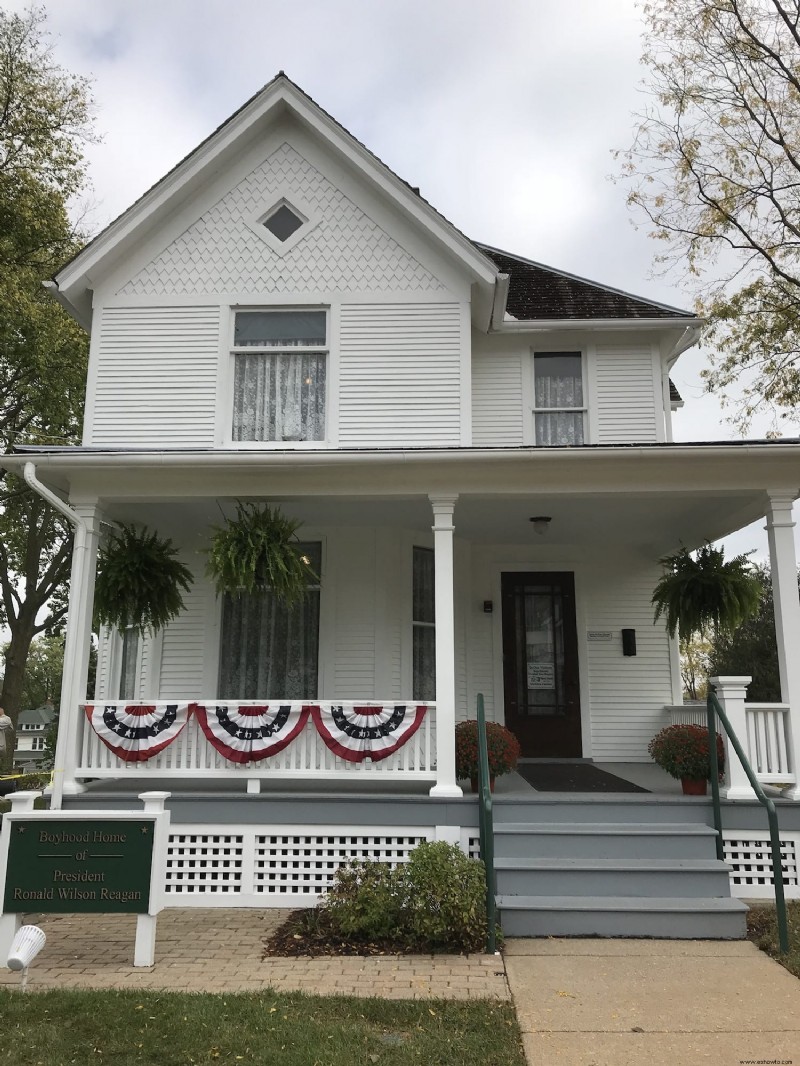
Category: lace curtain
[267,651]
[279,396]
[127,671]
[558,384]
[424,629]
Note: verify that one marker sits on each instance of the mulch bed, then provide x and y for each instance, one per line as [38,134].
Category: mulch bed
[308,932]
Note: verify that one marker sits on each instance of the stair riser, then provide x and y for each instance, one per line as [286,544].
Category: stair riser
[658,924]
[602,846]
[687,810]
[684,884]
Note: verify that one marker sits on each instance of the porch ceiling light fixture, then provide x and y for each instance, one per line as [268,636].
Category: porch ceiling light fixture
[541,523]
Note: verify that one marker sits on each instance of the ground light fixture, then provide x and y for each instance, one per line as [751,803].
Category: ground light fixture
[25,946]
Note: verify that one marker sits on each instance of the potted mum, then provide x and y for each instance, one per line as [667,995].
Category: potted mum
[683,751]
[502,745]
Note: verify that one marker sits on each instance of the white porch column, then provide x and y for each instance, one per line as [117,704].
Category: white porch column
[731,692]
[76,650]
[783,566]
[443,507]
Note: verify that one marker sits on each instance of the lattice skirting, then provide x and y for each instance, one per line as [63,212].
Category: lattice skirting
[279,866]
[749,856]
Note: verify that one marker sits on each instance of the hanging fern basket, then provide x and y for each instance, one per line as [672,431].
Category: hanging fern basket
[140,581]
[700,592]
[259,551]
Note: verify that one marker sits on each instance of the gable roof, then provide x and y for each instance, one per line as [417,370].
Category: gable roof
[538,292]
[73,283]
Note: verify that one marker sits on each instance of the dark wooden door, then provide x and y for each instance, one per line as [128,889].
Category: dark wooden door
[540,664]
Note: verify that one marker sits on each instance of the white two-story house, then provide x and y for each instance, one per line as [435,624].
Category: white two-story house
[478,447]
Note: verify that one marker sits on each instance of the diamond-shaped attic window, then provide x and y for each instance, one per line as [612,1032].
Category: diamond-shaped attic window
[283,223]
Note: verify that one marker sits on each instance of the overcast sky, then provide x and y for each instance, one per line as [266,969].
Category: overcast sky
[505,114]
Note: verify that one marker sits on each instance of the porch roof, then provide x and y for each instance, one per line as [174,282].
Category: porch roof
[656,495]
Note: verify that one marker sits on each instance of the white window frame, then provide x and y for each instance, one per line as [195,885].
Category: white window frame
[233,351]
[534,410]
[284,196]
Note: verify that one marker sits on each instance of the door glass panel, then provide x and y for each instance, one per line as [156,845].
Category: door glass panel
[540,650]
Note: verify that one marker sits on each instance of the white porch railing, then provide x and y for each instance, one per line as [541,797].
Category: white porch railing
[766,742]
[190,755]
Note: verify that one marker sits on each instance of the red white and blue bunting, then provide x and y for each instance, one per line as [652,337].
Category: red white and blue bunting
[136,732]
[358,733]
[246,732]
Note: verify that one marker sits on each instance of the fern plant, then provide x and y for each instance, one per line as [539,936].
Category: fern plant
[139,580]
[701,592]
[258,551]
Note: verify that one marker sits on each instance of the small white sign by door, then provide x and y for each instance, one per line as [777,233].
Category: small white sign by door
[541,676]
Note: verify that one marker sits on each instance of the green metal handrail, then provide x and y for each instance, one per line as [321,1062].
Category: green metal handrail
[713,706]
[486,823]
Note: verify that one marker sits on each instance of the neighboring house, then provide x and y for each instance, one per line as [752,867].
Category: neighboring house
[31,736]
[479,448]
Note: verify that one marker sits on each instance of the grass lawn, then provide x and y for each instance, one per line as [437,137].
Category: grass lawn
[76,1028]
[762,929]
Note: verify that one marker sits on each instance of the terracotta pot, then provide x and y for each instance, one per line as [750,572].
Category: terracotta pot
[692,787]
[474,783]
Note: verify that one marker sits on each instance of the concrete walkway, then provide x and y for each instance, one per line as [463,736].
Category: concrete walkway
[219,950]
[579,1002]
[653,1002]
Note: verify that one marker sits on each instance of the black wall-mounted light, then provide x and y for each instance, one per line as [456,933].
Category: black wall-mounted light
[628,641]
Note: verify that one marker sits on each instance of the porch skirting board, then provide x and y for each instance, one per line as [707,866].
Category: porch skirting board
[280,865]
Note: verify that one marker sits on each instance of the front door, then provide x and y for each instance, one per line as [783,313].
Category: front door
[540,664]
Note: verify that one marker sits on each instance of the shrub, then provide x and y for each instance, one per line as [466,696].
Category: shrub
[445,898]
[683,751]
[503,748]
[434,901]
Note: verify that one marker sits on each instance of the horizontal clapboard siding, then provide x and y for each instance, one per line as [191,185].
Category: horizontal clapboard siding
[183,651]
[627,694]
[399,379]
[626,408]
[497,399]
[156,376]
[353,560]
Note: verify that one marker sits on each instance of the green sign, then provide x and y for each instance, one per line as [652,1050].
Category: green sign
[58,866]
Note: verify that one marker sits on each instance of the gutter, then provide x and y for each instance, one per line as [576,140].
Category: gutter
[546,325]
[69,683]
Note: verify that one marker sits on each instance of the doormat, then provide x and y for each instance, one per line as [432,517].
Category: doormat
[573,777]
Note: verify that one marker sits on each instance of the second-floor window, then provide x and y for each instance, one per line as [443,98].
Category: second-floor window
[559,410]
[280,373]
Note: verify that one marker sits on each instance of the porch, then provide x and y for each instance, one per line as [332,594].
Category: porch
[612,513]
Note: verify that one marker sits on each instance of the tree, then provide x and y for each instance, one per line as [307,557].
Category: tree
[45,118]
[43,671]
[752,648]
[695,667]
[715,167]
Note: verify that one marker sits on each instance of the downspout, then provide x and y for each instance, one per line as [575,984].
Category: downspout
[76,583]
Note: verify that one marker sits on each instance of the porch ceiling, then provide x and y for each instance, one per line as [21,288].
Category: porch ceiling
[653,522]
[654,496]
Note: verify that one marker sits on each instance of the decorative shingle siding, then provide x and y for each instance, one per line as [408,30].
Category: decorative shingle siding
[400,374]
[346,250]
[626,408]
[156,377]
